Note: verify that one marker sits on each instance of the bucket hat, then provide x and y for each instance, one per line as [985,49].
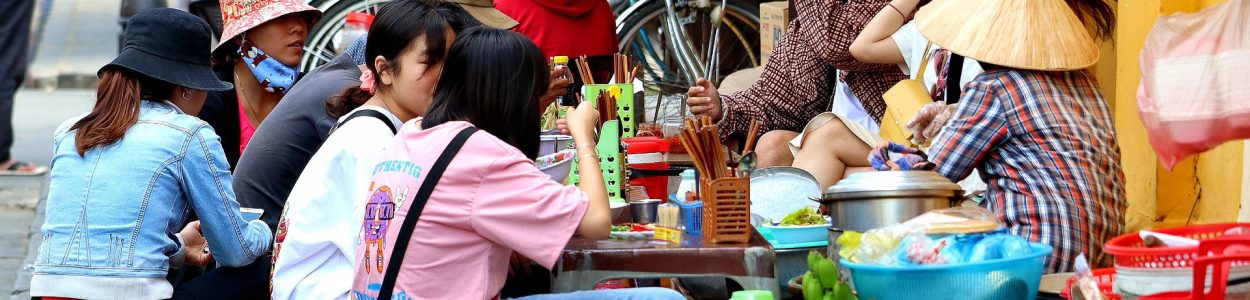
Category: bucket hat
[239,16]
[169,45]
[1025,34]
[484,11]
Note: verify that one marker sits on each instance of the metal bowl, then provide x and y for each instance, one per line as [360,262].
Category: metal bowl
[870,200]
[644,211]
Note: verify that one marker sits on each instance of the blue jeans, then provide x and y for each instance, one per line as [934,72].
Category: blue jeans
[650,293]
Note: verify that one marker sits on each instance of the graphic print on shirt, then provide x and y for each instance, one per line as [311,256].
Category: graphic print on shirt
[378,214]
[279,236]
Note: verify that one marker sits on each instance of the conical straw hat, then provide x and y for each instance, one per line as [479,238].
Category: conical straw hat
[1026,34]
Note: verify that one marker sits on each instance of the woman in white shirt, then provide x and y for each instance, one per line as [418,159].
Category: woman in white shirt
[315,244]
[890,38]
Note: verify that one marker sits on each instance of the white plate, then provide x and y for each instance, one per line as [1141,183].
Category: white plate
[633,235]
[778,191]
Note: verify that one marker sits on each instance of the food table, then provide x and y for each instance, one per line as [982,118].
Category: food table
[585,262]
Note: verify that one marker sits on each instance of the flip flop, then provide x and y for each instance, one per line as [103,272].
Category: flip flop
[15,169]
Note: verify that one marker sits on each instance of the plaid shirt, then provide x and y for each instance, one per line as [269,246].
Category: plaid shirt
[1044,143]
[798,81]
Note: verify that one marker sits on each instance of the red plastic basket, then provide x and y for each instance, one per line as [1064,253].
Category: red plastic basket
[1129,251]
[1106,283]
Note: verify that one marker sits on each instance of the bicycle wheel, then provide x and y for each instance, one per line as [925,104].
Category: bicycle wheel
[644,35]
[324,39]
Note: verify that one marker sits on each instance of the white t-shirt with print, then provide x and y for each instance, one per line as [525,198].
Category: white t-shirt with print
[317,236]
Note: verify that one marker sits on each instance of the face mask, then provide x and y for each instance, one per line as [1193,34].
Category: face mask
[274,76]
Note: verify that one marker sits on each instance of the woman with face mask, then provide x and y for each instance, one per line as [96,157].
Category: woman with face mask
[259,51]
[320,224]
[126,176]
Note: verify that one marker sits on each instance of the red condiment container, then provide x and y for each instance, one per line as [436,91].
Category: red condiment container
[647,153]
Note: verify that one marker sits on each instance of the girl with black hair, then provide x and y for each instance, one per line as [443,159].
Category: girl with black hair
[457,191]
[317,235]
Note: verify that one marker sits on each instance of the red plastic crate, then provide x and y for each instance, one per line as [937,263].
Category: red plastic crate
[1130,251]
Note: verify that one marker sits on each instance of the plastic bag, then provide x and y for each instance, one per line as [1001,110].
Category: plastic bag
[877,246]
[1193,95]
[998,246]
[923,250]
[1086,287]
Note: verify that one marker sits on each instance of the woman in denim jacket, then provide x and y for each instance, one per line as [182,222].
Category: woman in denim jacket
[126,176]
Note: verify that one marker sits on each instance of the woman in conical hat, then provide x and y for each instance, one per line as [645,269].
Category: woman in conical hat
[1034,124]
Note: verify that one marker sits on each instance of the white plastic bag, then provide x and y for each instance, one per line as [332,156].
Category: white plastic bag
[1195,88]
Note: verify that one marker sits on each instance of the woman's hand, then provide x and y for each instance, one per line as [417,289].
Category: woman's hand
[195,248]
[929,121]
[704,100]
[560,80]
[581,123]
[563,126]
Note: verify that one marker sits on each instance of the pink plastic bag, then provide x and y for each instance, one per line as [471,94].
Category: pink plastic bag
[1195,88]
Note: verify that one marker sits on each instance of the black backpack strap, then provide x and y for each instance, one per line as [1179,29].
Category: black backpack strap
[954,70]
[367,113]
[414,212]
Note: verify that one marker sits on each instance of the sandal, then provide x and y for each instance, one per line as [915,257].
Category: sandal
[18,168]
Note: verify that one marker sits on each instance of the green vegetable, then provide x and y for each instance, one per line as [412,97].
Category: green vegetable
[826,271]
[811,287]
[550,114]
[829,296]
[803,216]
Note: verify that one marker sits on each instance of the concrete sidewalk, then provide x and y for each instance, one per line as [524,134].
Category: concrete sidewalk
[36,116]
[78,37]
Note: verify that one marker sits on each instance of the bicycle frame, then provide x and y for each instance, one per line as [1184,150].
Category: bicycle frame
[689,61]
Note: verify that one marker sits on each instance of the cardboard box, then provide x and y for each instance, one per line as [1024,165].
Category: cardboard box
[774,18]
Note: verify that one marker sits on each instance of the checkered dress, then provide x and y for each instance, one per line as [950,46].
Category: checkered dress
[1045,145]
[798,82]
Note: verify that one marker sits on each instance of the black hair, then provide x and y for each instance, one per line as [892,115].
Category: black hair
[1096,13]
[394,31]
[494,80]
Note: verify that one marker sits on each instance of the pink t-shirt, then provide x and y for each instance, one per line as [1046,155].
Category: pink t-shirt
[491,201]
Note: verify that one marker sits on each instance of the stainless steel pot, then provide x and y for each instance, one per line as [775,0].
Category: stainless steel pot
[871,200]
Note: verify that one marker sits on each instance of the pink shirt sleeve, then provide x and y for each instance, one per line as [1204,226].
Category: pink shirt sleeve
[521,208]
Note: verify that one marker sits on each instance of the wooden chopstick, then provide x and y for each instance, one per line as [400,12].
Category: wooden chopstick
[583,67]
[620,69]
[634,74]
[752,134]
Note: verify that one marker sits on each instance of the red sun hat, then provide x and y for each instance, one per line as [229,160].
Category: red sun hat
[239,16]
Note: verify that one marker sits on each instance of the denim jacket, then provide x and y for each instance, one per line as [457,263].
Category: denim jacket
[113,213]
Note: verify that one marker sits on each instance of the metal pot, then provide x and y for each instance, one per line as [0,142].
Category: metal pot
[871,200]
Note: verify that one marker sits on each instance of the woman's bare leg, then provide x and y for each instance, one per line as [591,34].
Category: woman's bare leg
[773,149]
[829,151]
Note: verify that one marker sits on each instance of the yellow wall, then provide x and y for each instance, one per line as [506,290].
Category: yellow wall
[1203,189]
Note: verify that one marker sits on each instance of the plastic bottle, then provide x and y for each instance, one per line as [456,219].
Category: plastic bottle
[688,184]
[562,63]
[357,25]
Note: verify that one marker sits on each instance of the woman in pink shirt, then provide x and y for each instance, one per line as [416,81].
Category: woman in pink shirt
[457,192]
